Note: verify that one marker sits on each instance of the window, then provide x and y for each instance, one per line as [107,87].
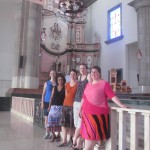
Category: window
[114,24]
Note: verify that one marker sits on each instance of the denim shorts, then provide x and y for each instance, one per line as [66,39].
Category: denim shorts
[46,112]
[46,104]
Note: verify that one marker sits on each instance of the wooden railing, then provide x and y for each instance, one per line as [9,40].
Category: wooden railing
[130,129]
[23,107]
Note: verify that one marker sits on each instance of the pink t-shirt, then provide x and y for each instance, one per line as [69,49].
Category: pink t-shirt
[96,97]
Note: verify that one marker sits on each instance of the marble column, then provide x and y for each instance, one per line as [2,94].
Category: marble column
[28,20]
[142,8]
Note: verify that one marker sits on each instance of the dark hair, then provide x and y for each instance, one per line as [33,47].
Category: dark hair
[60,75]
[83,64]
[97,68]
[74,70]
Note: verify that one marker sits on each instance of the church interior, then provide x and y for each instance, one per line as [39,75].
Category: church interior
[42,35]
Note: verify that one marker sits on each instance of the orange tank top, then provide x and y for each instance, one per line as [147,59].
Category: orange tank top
[70,94]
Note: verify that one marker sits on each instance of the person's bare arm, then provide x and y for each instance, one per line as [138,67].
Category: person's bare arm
[89,78]
[80,111]
[116,100]
[43,94]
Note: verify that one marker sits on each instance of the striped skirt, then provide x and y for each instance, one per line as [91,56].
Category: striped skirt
[54,118]
[95,127]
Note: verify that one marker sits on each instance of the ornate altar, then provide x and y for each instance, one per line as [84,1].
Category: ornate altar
[113,78]
[63,45]
[118,87]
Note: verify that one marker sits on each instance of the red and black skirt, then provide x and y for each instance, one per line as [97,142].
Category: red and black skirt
[95,127]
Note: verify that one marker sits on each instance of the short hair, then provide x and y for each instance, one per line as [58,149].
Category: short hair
[97,68]
[74,70]
[83,64]
[60,75]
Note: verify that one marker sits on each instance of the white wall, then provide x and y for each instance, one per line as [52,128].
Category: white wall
[112,55]
[7,42]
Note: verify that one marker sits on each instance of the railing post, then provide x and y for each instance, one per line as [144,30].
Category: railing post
[136,128]
[133,130]
[113,129]
[146,131]
[122,130]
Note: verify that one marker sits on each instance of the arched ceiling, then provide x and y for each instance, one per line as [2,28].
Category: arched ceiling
[88,2]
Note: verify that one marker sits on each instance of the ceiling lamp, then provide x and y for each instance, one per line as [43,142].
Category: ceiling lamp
[71,6]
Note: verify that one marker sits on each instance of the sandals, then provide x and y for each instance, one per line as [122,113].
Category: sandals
[73,148]
[53,138]
[58,138]
[71,140]
[62,145]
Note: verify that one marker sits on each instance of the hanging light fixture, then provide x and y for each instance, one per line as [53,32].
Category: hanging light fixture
[71,6]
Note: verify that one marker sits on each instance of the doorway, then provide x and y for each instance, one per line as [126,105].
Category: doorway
[132,66]
[119,75]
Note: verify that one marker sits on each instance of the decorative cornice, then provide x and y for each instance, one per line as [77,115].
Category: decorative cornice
[139,4]
[67,51]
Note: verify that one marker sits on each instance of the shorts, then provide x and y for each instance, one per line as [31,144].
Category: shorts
[77,119]
[46,105]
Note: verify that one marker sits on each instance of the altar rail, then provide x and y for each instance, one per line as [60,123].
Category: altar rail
[23,107]
[130,129]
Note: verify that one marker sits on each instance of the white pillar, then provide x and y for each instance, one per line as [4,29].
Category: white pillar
[143,21]
[28,42]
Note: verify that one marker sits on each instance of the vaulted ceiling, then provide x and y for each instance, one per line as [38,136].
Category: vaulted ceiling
[88,2]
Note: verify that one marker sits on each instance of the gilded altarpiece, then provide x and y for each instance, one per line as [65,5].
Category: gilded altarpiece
[63,47]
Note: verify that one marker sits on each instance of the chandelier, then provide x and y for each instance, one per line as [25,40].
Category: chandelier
[67,10]
[71,6]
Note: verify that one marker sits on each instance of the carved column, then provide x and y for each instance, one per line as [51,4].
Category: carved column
[142,8]
[26,65]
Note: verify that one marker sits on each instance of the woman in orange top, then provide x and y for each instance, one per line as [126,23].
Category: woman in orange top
[67,117]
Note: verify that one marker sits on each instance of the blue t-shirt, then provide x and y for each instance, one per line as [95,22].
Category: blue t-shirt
[48,91]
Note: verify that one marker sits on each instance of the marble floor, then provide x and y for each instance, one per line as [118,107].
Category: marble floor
[19,134]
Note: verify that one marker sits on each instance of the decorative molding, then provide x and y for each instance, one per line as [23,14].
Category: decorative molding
[139,4]
[70,49]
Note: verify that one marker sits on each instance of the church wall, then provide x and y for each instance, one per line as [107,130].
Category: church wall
[112,55]
[7,40]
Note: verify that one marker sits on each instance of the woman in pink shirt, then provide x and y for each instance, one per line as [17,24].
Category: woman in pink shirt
[94,110]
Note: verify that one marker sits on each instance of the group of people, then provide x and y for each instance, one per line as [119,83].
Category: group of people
[80,104]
